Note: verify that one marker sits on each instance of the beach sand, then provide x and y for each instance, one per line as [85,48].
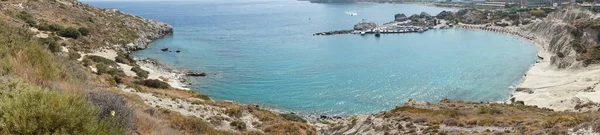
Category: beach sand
[545,85]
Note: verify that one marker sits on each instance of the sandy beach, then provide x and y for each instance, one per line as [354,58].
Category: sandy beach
[545,85]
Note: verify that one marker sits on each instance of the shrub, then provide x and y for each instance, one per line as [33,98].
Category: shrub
[154,83]
[28,109]
[239,125]
[489,110]
[84,31]
[538,13]
[123,58]
[56,27]
[43,27]
[108,102]
[192,125]
[293,117]
[290,128]
[140,72]
[70,32]
[74,55]
[28,18]
[234,112]
[100,59]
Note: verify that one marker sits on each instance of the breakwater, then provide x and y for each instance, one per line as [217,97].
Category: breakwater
[498,29]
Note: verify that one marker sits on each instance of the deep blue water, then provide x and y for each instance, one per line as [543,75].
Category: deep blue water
[263,52]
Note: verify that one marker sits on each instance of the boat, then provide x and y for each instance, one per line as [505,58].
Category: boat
[362,33]
[351,13]
[377,33]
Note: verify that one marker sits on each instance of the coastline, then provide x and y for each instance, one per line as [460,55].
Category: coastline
[547,86]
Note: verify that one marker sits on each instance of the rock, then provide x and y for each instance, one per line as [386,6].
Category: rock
[425,15]
[446,15]
[177,51]
[195,74]
[400,18]
[365,26]
[520,103]
[164,49]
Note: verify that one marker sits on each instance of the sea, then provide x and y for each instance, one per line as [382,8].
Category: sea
[263,52]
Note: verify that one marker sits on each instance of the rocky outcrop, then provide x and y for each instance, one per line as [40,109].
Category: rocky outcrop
[365,26]
[563,38]
[446,15]
[400,18]
[153,30]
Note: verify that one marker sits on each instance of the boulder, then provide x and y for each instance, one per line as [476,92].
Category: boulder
[400,18]
[196,74]
[365,26]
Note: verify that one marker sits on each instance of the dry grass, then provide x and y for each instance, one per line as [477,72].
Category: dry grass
[290,128]
[526,119]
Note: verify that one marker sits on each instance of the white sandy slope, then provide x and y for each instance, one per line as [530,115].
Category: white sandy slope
[558,89]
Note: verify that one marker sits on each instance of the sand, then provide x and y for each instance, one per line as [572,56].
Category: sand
[545,85]
[558,89]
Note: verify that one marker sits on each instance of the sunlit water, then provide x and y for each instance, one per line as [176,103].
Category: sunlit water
[263,52]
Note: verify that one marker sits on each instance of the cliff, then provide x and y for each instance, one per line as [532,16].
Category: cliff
[108,27]
[569,36]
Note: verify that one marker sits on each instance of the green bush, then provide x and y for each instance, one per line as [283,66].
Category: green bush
[70,32]
[56,27]
[28,18]
[154,83]
[140,72]
[74,55]
[84,31]
[101,68]
[100,59]
[28,109]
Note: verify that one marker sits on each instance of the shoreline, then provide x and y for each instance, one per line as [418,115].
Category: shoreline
[547,86]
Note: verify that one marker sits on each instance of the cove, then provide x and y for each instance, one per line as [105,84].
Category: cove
[263,52]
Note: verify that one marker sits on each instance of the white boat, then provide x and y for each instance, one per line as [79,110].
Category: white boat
[351,13]
[362,33]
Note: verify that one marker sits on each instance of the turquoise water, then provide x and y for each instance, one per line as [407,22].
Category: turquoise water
[263,52]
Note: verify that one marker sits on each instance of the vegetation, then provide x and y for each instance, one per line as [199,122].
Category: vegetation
[140,72]
[28,109]
[293,117]
[153,83]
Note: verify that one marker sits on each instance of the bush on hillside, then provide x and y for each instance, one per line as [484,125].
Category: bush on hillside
[28,109]
[154,83]
[70,32]
[107,103]
[56,27]
[74,55]
[28,18]
[84,31]
[140,72]
[100,59]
